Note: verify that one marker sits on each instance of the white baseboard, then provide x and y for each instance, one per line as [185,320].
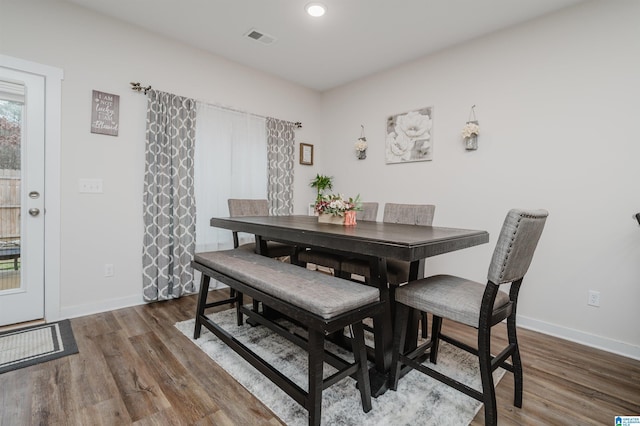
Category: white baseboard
[591,340]
[112,304]
[101,306]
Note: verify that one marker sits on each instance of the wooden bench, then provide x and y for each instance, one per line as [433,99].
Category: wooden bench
[323,304]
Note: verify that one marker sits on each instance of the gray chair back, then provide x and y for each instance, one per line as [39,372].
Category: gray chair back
[246,207]
[243,207]
[409,214]
[516,244]
[369,212]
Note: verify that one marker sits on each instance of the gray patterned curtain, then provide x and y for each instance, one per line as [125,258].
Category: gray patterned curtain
[169,209]
[280,150]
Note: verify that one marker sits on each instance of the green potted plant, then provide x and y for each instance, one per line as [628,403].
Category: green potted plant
[321,183]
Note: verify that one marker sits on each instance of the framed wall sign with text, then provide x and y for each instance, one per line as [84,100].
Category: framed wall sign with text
[306,154]
[105,113]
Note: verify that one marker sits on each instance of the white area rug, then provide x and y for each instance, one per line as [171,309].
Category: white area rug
[420,400]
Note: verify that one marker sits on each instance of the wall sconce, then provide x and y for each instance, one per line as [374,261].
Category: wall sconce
[470,131]
[361,145]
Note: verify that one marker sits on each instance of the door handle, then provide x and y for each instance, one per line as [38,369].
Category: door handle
[34,211]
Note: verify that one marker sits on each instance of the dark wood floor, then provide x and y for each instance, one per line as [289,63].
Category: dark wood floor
[135,367]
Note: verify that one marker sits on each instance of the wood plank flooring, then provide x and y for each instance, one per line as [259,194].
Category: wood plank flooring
[135,367]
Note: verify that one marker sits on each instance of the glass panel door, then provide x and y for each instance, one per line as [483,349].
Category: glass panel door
[22,145]
[11,117]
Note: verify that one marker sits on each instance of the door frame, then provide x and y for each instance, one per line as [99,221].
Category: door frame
[53,97]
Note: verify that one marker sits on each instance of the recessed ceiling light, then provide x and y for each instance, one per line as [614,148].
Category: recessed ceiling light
[316,9]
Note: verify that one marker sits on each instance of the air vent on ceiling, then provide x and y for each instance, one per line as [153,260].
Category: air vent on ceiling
[260,36]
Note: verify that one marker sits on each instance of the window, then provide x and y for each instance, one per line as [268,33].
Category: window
[230,162]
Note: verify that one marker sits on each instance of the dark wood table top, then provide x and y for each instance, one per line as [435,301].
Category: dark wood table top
[389,240]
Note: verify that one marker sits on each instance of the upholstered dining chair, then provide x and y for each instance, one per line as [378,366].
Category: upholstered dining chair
[368,212]
[476,305]
[330,260]
[256,207]
[397,270]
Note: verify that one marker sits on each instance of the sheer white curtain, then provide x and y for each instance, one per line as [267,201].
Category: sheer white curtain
[230,162]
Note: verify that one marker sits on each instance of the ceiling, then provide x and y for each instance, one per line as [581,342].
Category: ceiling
[354,39]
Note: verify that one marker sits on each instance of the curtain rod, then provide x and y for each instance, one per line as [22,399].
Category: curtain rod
[137,87]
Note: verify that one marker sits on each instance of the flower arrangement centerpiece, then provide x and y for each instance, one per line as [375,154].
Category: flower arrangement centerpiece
[334,208]
[471,130]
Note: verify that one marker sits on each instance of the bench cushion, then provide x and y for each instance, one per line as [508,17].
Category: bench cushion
[321,294]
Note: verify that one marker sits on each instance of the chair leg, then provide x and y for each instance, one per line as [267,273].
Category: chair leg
[392,298]
[399,335]
[425,324]
[488,389]
[239,303]
[232,295]
[436,329]
[516,361]
[202,301]
[316,358]
[342,274]
[360,358]
[294,258]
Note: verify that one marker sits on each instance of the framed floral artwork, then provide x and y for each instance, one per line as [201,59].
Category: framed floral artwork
[409,136]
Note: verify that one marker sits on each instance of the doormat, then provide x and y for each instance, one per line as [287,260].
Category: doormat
[36,344]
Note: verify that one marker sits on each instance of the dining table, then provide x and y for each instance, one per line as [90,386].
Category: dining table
[372,241]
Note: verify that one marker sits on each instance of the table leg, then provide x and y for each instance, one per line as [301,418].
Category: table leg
[416,271]
[382,330]
[261,245]
[383,324]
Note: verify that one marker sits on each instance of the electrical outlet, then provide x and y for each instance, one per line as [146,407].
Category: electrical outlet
[109,271]
[594,298]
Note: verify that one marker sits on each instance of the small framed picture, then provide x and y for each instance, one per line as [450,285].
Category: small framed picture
[306,154]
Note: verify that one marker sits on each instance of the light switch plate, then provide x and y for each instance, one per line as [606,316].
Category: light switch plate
[90,186]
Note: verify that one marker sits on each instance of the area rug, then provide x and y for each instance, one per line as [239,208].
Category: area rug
[418,400]
[32,345]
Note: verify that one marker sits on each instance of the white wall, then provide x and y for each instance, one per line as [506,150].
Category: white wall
[102,54]
[558,102]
